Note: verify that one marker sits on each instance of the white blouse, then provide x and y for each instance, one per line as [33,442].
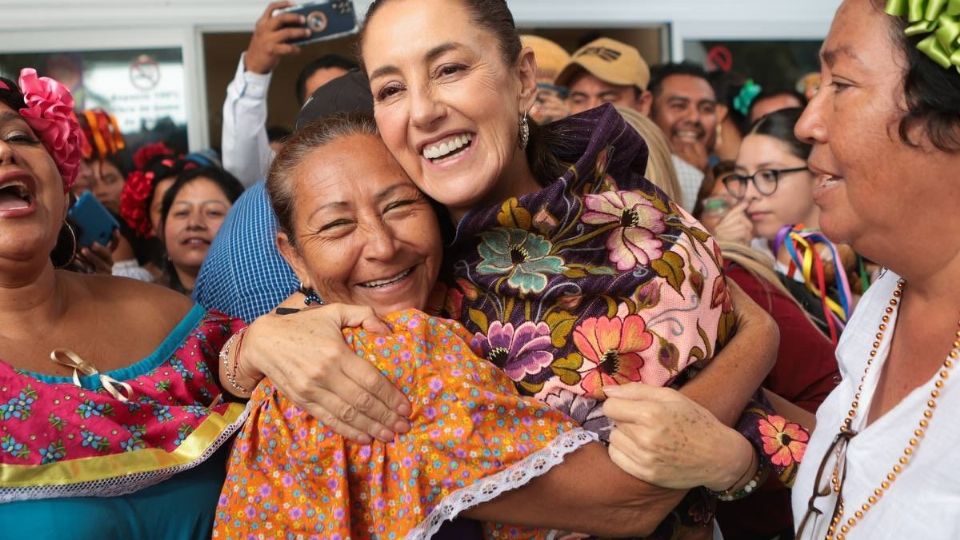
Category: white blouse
[924,501]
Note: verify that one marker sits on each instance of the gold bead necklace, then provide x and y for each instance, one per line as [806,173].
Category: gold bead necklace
[839,528]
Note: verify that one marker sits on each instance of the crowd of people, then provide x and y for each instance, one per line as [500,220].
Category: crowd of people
[490,288]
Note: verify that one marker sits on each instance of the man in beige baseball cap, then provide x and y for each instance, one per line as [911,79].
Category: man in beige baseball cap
[606,71]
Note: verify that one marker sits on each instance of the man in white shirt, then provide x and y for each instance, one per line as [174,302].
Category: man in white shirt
[246,149]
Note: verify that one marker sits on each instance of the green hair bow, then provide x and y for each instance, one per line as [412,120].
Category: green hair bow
[748,93]
[940,19]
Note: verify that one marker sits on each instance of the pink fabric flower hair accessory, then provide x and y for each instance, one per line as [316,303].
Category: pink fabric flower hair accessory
[49,112]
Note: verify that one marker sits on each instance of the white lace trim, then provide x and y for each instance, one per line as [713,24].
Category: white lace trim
[493,486]
[121,484]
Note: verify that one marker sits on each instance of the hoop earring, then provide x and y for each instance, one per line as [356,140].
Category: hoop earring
[524,137]
[73,249]
[310,296]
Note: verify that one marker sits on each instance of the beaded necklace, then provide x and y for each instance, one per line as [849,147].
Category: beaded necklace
[839,529]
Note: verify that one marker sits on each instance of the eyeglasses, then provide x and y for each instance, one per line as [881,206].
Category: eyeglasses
[831,482]
[765,180]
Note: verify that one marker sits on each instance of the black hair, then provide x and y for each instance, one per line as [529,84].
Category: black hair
[777,92]
[780,125]
[495,17]
[661,72]
[277,133]
[11,96]
[932,93]
[326,61]
[727,86]
[228,184]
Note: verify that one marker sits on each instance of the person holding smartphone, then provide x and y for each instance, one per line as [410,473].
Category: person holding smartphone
[246,147]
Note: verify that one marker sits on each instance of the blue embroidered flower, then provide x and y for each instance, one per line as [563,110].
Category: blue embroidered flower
[55,422]
[523,256]
[178,366]
[198,411]
[52,453]
[20,406]
[16,449]
[183,432]
[88,408]
[162,413]
[132,444]
[162,386]
[88,439]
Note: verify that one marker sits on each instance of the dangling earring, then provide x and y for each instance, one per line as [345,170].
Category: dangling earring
[311,296]
[524,137]
[61,258]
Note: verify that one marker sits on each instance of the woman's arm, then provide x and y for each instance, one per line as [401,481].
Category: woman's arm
[303,353]
[725,386]
[586,493]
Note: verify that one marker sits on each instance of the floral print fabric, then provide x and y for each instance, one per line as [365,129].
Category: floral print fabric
[473,437]
[598,279]
[60,439]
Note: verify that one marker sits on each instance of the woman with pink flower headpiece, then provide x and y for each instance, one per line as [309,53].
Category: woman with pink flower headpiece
[110,419]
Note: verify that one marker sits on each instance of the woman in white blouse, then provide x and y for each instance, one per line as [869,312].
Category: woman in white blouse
[885,129]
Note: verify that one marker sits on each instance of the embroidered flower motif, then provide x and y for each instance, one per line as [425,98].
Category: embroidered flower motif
[52,453]
[785,442]
[11,446]
[522,352]
[613,345]
[635,242]
[89,408]
[89,439]
[19,407]
[49,113]
[524,256]
[585,411]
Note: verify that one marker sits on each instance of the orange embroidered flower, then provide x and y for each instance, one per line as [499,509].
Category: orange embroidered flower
[613,346]
[785,442]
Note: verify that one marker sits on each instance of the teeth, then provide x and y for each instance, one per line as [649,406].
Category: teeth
[389,281]
[448,146]
[20,189]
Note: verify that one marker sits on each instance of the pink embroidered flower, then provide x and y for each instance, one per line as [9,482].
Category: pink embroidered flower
[49,113]
[635,242]
[783,441]
[522,352]
[613,345]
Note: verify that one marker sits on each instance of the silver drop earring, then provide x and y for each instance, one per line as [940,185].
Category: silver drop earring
[524,132]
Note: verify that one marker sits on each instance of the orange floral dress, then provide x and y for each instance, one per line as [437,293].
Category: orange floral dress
[473,438]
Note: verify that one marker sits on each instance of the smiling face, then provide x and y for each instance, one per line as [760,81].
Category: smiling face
[792,202]
[197,212]
[447,104]
[364,234]
[685,108]
[32,200]
[887,199]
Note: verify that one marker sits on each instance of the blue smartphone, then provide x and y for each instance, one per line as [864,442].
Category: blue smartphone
[92,221]
[326,20]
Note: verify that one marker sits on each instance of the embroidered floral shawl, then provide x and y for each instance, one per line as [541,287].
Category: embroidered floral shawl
[597,279]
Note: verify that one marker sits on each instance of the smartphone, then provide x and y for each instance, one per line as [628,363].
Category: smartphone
[326,20]
[93,222]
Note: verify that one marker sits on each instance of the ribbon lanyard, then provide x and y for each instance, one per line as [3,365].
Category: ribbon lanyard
[70,359]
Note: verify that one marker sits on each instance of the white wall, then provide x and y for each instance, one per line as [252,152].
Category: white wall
[51,25]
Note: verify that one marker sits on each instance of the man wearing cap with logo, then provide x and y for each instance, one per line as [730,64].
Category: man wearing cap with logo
[606,71]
